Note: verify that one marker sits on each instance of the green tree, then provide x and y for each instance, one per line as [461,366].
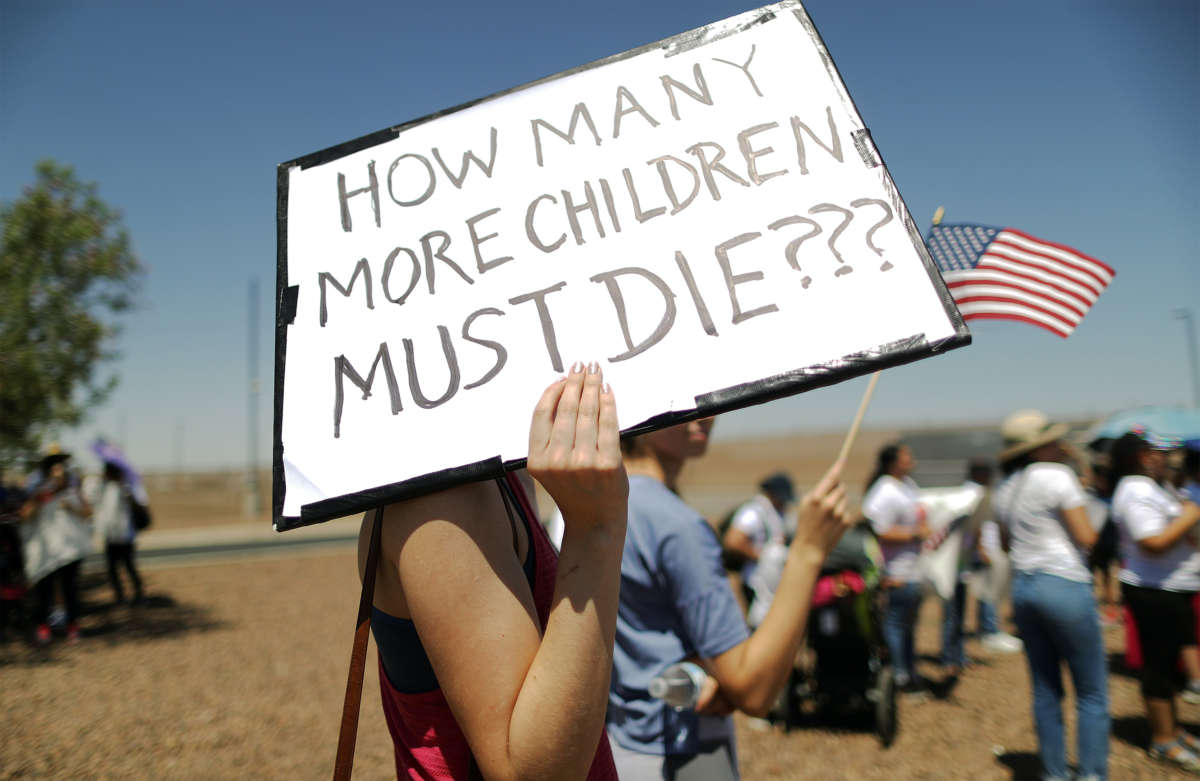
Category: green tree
[66,272]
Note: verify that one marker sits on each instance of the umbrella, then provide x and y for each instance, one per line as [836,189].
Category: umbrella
[1174,422]
[107,451]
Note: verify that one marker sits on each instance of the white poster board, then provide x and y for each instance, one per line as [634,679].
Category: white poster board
[707,216]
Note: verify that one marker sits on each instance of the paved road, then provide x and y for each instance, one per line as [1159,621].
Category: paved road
[189,547]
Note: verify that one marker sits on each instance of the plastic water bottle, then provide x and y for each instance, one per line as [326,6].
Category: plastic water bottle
[679,685]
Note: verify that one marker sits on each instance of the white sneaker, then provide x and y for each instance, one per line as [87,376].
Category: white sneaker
[1002,642]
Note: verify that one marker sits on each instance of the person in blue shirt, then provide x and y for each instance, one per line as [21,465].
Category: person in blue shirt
[676,604]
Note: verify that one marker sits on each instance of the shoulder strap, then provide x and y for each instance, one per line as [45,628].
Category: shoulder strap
[510,500]
[343,765]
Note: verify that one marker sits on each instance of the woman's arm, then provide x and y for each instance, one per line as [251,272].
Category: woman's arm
[1079,526]
[504,680]
[752,673]
[1176,529]
[900,534]
[740,543]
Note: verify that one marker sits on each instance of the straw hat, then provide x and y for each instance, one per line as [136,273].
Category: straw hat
[54,454]
[1027,430]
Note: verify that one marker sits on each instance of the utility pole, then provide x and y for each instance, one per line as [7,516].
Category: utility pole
[253,497]
[1189,328]
[179,431]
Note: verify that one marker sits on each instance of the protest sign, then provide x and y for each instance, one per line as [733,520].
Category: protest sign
[706,216]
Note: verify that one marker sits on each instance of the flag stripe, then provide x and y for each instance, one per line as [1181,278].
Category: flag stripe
[1019,318]
[1065,321]
[1027,281]
[977,309]
[1085,295]
[1051,265]
[964,289]
[1094,275]
[1103,271]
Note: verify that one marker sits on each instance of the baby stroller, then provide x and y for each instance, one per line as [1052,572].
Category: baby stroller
[850,675]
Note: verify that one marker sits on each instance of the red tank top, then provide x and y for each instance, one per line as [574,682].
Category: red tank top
[429,744]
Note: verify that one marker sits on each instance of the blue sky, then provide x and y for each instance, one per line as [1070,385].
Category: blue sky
[1074,121]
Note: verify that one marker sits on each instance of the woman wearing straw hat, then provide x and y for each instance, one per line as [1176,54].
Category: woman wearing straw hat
[1159,579]
[1042,506]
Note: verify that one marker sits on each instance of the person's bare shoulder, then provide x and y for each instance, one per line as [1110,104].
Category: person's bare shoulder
[472,506]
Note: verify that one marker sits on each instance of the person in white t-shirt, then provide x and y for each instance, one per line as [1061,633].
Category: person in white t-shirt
[113,519]
[1043,507]
[898,520]
[756,535]
[1159,578]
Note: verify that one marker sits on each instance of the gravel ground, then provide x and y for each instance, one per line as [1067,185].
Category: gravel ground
[236,670]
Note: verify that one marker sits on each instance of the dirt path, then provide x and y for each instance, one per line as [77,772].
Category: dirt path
[236,670]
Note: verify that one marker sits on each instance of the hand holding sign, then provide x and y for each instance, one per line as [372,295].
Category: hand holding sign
[823,514]
[574,449]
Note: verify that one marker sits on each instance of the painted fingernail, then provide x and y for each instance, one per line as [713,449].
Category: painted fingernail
[593,367]
[577,367]
[607,388]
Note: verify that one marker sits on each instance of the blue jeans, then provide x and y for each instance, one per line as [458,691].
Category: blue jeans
[953,608]
[898,623]
[1058,623]
[985,621]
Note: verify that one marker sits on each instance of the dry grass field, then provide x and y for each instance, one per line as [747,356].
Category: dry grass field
[235,670]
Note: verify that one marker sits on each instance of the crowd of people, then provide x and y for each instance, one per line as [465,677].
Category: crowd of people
[632,585]
[488,626]
[48,525]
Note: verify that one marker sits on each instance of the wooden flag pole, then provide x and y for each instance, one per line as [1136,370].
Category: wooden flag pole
[858,419]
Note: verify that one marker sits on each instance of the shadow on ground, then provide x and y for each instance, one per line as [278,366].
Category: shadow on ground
[1025,766]
[103,621]
[1135,730]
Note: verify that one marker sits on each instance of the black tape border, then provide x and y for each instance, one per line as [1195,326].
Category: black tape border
[282,319]
[735,397]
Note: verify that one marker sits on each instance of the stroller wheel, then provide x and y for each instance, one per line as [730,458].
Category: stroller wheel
[886,719]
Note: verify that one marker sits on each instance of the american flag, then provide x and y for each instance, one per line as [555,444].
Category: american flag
[1004,274]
